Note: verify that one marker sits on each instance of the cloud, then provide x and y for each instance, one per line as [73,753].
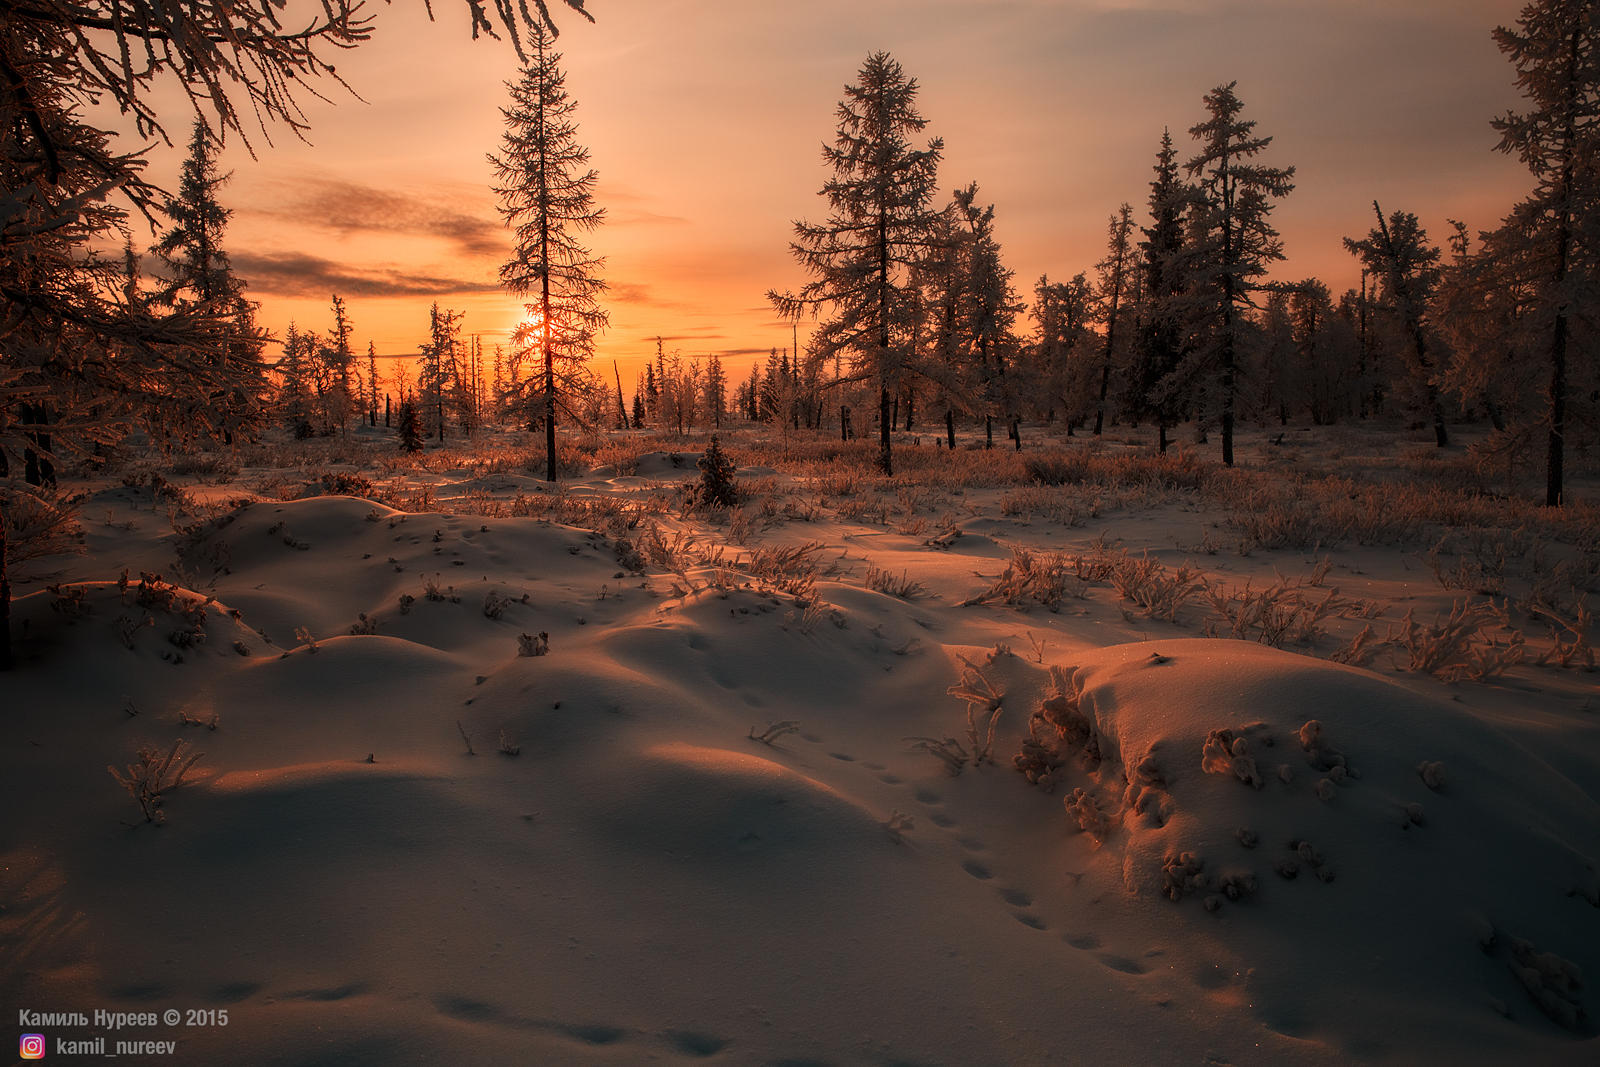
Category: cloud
[350,207]
[297,274]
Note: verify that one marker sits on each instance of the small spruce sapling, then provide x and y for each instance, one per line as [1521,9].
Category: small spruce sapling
[410,427]
[717,489]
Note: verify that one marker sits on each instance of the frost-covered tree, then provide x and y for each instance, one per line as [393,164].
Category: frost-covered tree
[1230,246]
[880,214]
[1549,246]
[988,305]
[1397,254]
[1160,344]
[196,265]
[546,191]
[1064,345]
[81,361]
[1117,278]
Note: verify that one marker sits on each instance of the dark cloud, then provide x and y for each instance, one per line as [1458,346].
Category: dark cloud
[349,207]
[298,274]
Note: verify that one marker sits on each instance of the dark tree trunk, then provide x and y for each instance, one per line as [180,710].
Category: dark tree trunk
[950,428]
[1553,495]
[885,425]
[988,432]
[5,600]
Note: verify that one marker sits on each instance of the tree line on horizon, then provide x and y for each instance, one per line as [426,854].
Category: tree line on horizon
[1179,322]
[918,317]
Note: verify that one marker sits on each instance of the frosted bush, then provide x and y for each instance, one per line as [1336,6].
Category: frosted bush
[1326,790]
[1090,819]
[1234,884]
[1062,712]
[1147,789]
[1225,753]
[1553,982]
[1181,874]
[495,605]
[1433,774]
[981,697]
[529,645]
[1320,754]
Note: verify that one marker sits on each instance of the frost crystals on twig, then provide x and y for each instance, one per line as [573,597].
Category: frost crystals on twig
[948,751]
[976,689]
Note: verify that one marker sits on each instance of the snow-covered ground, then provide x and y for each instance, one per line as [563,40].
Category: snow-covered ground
[1370,865]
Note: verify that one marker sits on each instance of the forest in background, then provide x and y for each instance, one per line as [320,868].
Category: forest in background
[921,324]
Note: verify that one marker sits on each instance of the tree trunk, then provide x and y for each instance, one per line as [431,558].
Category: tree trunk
[988,432]
[885,425]
[1553,495]
[950,428]
[5,600]
[1163,438]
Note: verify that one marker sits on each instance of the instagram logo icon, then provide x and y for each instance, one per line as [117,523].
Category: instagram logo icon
[33,1046]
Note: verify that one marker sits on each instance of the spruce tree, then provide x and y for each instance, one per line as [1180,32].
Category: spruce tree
[861,259]
[1160,342]
[546,191]
[1396,252]
[1116,279]
[197,268]
[1231,246]
[199,275]
[1548,243]
[986,303]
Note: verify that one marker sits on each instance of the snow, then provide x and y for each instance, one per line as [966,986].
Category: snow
[1233,853]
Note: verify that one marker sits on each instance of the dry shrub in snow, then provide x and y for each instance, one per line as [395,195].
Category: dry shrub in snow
[1225,753]
[790,569]
[1553,982]
[529,645]
[1574,647]
[1158,592]
[147,783]
[1445,649]
[883,581]
[1283,613]
[976,689]
[947,751]
[1041,576]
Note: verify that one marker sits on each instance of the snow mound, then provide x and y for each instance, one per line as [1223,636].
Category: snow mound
[1503,841]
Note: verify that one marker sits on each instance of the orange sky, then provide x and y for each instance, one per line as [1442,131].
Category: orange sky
[705,120]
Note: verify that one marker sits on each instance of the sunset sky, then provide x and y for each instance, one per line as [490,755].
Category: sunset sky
[705,120]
